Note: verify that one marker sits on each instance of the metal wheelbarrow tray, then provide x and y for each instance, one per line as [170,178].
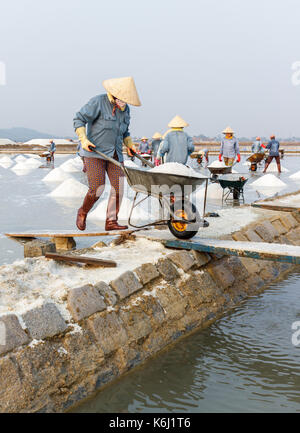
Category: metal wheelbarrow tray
[215,171]
[235,183]
[256,157]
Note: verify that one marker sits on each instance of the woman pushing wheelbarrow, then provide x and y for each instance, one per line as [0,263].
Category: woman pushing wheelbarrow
[107,117]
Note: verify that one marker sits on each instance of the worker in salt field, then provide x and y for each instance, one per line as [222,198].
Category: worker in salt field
[257,146]
[156,140]
[229,147]
[273,147]
[52,150]
[107,117]
[144,146]
[176,145]
[202,154]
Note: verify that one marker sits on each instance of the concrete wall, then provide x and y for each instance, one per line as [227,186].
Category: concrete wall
[48,365]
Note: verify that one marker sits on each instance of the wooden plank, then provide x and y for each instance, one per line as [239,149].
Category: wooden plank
[82,259]
[260,250]
[69,235]
[275,207]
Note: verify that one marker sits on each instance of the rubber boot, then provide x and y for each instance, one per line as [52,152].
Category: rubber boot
[87,205]
[112,213]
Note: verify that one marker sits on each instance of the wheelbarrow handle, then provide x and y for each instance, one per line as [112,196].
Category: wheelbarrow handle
[140,157]
[108,158]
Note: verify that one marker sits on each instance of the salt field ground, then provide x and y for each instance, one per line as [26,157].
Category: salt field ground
[32,203]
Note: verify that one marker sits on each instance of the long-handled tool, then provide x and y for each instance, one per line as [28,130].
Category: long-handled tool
[119,164]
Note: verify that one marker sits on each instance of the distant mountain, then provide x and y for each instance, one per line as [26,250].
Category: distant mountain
[25,134]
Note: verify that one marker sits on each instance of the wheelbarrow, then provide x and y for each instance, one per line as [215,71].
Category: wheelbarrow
[255,159]
[172,191]
[234,184]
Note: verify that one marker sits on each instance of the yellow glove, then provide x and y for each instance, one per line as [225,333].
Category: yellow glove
[85,143]
[129,144]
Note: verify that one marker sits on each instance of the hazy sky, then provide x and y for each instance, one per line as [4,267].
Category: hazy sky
[214,62]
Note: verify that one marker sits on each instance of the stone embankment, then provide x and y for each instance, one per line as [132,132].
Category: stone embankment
[49,365]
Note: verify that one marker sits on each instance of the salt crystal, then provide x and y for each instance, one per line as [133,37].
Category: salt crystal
[217,164]
[20,158]
[176,168]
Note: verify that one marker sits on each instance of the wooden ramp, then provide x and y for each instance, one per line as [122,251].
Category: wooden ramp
[65,240]
[255,250]
[47,234]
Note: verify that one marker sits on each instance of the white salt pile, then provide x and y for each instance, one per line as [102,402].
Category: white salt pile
[268,180]
[6,162]
[217,164]
[21,166]
[70,188]
[77,162]
[214,191]
[20,158]
[5,159]
[69,167]
[273,168]
[176,168]
[22,172]
[32,162]
[295,175]
[57,175]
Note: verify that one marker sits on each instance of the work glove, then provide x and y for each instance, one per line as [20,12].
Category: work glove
[220,157]
[129,144]
[156,162]
[238,157]
[85,143]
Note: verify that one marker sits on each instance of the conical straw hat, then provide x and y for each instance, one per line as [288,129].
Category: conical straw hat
[124,89]
[144,138]
[157,136]
[228,130]
[177,122]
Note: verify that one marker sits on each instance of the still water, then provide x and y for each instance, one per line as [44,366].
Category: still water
[245,362]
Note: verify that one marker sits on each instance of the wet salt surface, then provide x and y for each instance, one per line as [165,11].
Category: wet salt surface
[245,362]
[26,205]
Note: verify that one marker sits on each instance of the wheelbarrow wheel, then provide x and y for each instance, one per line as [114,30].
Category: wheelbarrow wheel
[188,211]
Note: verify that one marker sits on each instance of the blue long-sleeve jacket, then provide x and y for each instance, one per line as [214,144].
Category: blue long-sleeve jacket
[256,147]
[177,145]
[229,147]
[144,147]
[52,147]
[155,146]
[273,147]
[104,129]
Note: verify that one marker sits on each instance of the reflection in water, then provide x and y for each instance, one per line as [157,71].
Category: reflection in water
[244,362]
